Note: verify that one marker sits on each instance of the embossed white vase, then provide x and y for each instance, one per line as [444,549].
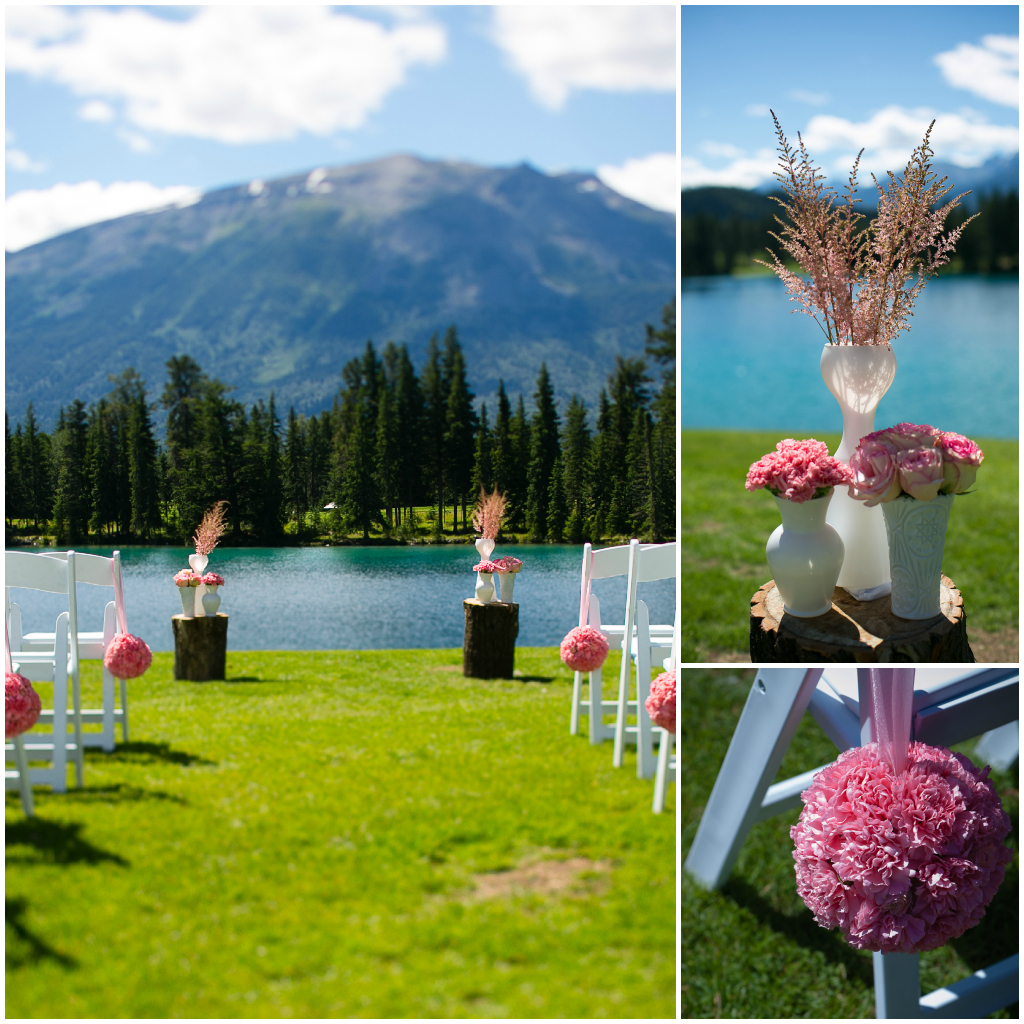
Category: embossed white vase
[917,537]
[805,555]
[858,376]
[188,601]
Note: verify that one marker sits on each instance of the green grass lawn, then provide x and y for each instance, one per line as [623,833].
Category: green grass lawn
[302,840]
[753,949]
[724,529]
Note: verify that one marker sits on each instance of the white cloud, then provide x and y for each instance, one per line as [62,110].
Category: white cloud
[35,215]
[726,149]
[991,70]
[613,49]
[814,99]
[135,141]
[890,135]
[650,180]
[96,110]
[743,172]
[18,159]
[233,74]
[757,110]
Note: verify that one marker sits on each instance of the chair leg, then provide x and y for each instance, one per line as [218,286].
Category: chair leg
[897,985]
[661,778]
[109,699]
[777,701]
[24,780]
[596,722]
[124,709]
[620,715]
[577,697]
[76,697]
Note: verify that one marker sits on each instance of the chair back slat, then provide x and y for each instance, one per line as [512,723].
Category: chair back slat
[656,562]
[91,569]
[607,562]
[31,572]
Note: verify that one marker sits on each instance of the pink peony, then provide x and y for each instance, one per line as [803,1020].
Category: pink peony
[186,578]
[21,705]
[212,579]
[508,564]
[900,863]
[873,473]
[661,704]
[920,472]
[584,649]
[127,657]
[798,471]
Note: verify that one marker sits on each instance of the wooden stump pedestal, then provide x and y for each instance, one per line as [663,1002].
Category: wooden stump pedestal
[861,631]
[200,647]
[489,644]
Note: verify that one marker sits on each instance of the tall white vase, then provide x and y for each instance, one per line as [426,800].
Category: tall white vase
[917,539]
[804,555]
[858,376]
[484,547]
[199,563]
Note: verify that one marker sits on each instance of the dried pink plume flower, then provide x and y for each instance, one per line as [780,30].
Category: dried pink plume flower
[211,529]
[858,287]
[900,863]
[487,515]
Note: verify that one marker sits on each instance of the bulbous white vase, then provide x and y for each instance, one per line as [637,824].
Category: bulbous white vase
[858,376]
[211,601]
[484,547]
[917,539]
[805,555]
[484,587]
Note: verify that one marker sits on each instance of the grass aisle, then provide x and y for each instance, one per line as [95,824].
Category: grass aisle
[302,840]
[753,949]
[725,529]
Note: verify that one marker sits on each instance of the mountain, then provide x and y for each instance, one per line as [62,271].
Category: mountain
[274,286]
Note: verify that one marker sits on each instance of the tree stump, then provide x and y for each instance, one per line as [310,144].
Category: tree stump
[858,631]
[489,644]
[200,647]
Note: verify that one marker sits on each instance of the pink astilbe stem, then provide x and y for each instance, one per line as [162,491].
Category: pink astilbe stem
[487,515]
[211,529]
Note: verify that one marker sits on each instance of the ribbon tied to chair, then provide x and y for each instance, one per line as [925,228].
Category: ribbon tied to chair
[584,649]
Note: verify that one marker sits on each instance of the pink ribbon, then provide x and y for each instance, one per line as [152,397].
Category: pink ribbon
[892,706]
[8,667]
[118,598]
[585,585]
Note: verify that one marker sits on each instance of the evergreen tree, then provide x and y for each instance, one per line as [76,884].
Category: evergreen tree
[544,451]
[101,467]
[459,426]
[501,444]
[576,469]
[483,473]
[143,470]
[435,397]
[71,493]
[36,471]
[221,427]
[272,519]
[519,447]
[296,498]
[410,411]
[661,346]
[14,489]
[387,454]
[556,503]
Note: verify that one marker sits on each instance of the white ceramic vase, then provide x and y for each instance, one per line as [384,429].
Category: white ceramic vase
[507,581]
[805,555]
[188,601]
[858,376]
[198,563]
[917,538]
[484,547]
[484,587]
[211,601]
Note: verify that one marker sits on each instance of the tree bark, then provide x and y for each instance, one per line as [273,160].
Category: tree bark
[200,647]
[489,647]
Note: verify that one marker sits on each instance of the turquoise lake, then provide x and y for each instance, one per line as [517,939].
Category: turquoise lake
[348,598]
[748,363]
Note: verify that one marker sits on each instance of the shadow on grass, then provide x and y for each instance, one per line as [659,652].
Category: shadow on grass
[146,753]
[802,930]
[243,679]
[32,949]
[118,792]
[55,842]
[533,679]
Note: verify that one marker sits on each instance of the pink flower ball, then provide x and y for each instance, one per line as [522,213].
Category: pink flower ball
[21,705]
[900,863]
[584,649]
[127,656]
[661,704]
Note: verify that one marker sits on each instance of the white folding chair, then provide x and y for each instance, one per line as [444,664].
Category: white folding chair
[950,705]
[58,665]
[98,571]
[647,563]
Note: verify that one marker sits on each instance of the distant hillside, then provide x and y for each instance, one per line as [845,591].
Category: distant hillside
[276,288]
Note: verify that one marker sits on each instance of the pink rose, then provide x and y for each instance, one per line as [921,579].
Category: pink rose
[913,435]
[962,457]
[874,473]
[920,472]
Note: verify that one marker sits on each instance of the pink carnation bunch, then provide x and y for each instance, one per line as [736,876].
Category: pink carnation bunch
[507,564]
[661,704]
[22,705]
[900,863]
[584,649]
[187,578]
[914,459]
[127,656]
[486,567]
[212,579]
[798,471]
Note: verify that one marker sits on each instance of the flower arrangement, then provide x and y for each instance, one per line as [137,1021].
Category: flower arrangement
[661,704]
[187,578]
[584,649]
[486,567]
[211,528]
[127,656]
[858,277]
[507,564]
[900,863]
[798,471]
[212,579]
[487,515]
[912,459]
[22,705]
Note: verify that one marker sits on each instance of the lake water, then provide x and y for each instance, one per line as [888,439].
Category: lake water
[348,598]
[748,363]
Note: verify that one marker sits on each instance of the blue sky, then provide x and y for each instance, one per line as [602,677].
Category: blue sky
[111,109]
[846,77]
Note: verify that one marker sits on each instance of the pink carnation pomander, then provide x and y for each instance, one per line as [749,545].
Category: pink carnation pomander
[584,649]
[127,656]
[798,471]
[22,705]
[661,704]
[900,863]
